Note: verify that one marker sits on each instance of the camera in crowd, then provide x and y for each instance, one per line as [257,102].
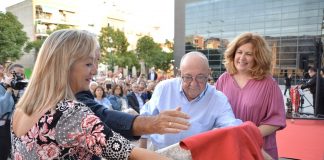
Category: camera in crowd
[18,82]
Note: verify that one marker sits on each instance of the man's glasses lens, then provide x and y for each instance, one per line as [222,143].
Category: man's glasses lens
[200,79]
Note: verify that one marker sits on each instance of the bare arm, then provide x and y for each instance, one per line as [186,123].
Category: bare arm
[170,121]
[267,129]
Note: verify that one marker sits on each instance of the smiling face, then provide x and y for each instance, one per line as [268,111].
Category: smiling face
[81,74]
[194,73]
[244,59]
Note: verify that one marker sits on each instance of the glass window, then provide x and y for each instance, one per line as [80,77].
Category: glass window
[257,26]
[243,26]
[289,22]
[290,15]
[288,42]
[309,6]
[290,2]
[241,20]
[293,8]
[290,49]
[257,19]
[270,31]
[321,5]
[289,29]
[228,28]
[260,31]
[272,17]
[307,28]
[272,24]
[308,13]
[276,10]
[310,20]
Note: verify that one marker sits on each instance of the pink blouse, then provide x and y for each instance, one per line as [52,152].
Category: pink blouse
[259,101]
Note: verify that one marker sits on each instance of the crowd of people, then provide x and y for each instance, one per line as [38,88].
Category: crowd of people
[77,113]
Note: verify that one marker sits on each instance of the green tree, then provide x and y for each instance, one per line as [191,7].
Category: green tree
[114,48]
[152,53]
[128,59]
[37,44]
[12,37]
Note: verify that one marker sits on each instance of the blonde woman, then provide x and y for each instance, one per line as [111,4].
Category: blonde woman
[250,88]
[49,123]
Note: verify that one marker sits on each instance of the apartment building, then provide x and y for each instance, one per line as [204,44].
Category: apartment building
[40,16]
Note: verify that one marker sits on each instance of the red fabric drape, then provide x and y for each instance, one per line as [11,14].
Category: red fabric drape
[230,143]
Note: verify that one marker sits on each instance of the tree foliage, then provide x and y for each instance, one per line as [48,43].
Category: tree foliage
[12,37]
[152,53]
[37,44]
[114,46]
[127,59]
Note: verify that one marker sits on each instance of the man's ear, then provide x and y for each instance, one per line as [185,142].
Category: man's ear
[179,72]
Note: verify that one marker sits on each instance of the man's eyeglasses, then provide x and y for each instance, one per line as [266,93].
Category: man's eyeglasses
[199,79]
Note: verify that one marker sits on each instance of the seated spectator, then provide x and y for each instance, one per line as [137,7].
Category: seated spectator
[101,98]
[117,99]
[135,99]
[93,85]
[119,102]
[142,90]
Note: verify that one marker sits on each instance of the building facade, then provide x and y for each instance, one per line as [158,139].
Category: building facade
[39,17]
[291,28]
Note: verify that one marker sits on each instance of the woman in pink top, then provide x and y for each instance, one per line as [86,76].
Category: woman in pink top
[250,88]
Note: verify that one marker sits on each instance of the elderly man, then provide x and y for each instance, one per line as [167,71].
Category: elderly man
[206,107]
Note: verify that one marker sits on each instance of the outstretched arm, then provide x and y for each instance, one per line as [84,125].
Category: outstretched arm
[120,122]
[169,121]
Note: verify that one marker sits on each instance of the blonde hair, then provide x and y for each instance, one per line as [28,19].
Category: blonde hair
[261,54]
[50,82]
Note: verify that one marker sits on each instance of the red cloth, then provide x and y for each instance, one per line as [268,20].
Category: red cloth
[230,143]
[295,98]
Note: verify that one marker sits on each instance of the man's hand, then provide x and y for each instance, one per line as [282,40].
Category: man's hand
[169,121]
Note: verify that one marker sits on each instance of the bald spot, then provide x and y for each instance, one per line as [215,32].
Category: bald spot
[194,61]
